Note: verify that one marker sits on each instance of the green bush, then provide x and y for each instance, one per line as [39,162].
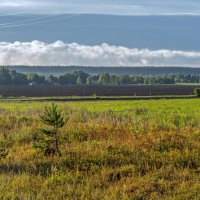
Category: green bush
[197,92]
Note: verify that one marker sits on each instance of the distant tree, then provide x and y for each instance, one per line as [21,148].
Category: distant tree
[48,141]
[104,79]
[67,79]
[51,79]
[138,79]
[79,81]
[89,81]
[152,80]
[18,78]
[124,79]
[83,76]
[100,79]
[114,79]
[32,77]
[5,77]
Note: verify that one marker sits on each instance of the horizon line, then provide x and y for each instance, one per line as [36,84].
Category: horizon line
[94,66]
[104,14]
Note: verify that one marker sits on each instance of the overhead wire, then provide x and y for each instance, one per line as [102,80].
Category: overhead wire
[27,20]
[11,14]
[38,22]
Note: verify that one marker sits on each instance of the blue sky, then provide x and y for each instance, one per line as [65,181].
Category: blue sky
[116,7]
[100,40]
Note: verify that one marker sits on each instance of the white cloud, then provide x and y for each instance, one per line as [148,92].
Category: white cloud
[15,3]
[116,7]
[60,53]
[9,4]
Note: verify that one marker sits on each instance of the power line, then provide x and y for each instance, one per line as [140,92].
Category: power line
[11,14]
[27,20]
[38,22]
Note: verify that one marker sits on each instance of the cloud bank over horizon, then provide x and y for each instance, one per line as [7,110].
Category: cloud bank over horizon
[63,54]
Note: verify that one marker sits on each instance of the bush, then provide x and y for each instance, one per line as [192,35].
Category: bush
[197,92]
[3,153]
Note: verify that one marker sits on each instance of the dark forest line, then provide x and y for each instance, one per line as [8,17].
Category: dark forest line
[57,70]
[12,77]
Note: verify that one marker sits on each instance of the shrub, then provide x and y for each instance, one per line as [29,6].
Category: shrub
[119,173]
[197,92]
[3,153]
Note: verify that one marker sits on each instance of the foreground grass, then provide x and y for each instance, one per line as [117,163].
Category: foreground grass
[111,150]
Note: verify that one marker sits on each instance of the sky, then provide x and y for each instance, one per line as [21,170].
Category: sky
[115,7]
[125,32]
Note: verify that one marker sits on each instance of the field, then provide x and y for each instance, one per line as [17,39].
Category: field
[128,90]
[134,150]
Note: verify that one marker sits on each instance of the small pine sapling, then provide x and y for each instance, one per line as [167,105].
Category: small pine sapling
[48,140]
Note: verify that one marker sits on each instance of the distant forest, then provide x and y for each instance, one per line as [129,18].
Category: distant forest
[60,70]
[12,77]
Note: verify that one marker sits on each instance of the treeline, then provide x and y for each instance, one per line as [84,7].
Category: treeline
[59,70]
[11,77]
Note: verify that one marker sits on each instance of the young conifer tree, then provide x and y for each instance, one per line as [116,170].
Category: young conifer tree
[48,140]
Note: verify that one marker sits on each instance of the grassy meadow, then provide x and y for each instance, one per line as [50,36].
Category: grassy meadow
[134,150]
